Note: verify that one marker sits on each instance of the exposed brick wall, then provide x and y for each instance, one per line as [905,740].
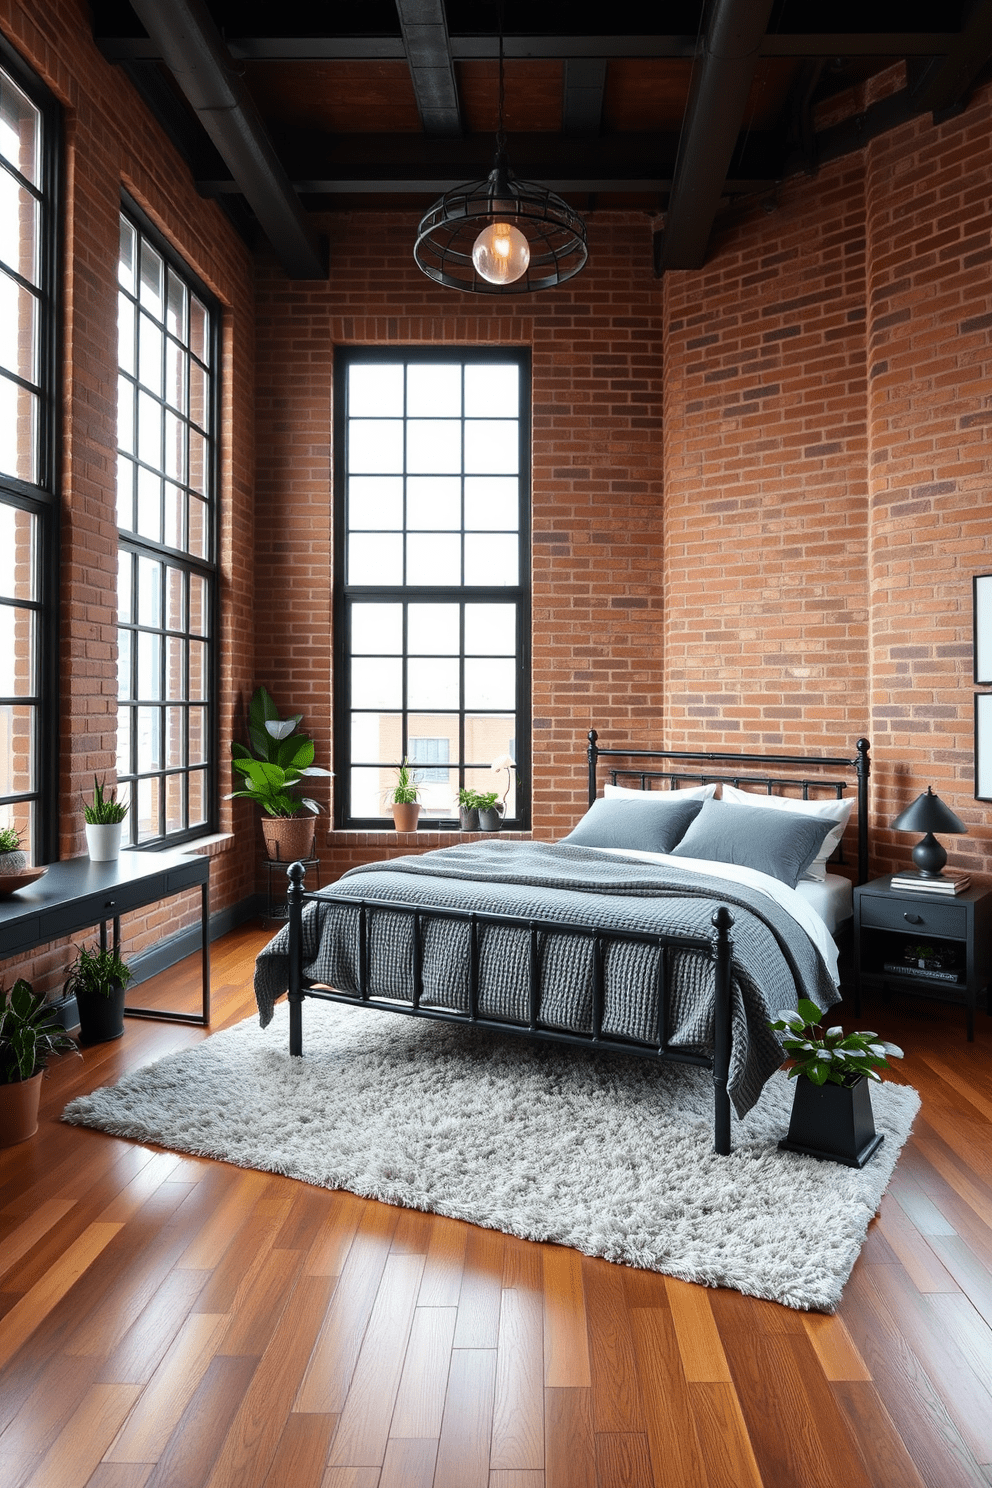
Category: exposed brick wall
[759,576]
[112,142]
[596,479]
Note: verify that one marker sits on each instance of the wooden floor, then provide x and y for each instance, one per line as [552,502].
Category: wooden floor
[165,1320]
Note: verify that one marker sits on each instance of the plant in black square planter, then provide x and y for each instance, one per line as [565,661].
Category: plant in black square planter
[98,980]
[831,1112]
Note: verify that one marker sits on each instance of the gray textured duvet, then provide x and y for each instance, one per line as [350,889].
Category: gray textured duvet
[774,961]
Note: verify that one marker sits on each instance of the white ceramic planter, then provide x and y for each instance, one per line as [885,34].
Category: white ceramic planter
[103,842]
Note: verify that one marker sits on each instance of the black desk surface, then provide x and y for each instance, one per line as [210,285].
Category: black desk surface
[78,893]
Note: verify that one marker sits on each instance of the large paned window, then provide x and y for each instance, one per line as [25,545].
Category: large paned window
[28,400]
[432,615]
[166,516]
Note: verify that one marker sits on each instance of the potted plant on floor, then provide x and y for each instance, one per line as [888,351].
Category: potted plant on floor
[104,817]
[98,980]
[28,1037]
[273,766]
[831,1112]
[405,800]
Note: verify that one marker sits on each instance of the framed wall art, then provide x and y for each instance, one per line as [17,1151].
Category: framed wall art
[983,746]
[982,611]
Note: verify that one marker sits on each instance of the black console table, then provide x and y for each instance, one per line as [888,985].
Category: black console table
[78,894]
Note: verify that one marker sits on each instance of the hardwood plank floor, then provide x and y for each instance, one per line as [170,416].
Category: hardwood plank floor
[171,1322]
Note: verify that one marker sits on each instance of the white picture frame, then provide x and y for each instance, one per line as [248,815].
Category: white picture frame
[983,746]
[982,619]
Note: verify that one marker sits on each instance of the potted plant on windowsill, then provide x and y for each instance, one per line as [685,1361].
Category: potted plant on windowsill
[405,800]
[831,1112]
[28,1037]
[104,817]
[98,980]
[479,811]
[273,766]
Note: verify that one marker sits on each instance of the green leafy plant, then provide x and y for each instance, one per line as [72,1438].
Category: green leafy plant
[97,972]
[29,1034]
[104,810]
[406,790]
[10,839]
[831,1055]
[473,800]
[277,760]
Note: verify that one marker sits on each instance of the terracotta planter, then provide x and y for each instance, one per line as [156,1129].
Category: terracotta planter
[833,1122]
[405,814]
[101,1019]
[289,839]
[19,1110]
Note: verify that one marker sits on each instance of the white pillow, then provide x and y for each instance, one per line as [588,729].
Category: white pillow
[687,792]
[835,811]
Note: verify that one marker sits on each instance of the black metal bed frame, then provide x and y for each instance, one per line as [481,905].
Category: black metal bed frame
[719,947]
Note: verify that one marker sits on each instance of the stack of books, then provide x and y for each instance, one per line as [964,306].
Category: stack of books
[947,883]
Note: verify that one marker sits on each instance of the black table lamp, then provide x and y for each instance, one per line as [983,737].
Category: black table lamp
[929,814]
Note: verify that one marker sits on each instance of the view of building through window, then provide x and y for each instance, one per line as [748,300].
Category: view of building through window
[165,519]
[433,480]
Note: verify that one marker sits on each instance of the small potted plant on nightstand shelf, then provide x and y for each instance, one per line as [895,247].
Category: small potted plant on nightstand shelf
[98,980]
[104,819]
[28,1036]
[404,800]
[831,1112]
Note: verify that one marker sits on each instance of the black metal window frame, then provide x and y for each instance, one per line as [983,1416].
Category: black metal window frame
[40,497]
[191,566]
[345,593]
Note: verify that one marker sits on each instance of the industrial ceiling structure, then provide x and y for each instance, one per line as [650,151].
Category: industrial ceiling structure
[291,110]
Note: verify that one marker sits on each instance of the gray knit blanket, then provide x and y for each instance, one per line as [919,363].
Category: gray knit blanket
[774,961]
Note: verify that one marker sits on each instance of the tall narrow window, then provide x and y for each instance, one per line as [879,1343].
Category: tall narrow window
[28,399]
[432,580]
[166,516]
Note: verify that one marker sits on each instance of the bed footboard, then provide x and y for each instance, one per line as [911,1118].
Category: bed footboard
[720,948]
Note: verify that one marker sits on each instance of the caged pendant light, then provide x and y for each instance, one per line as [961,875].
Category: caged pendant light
[501,235]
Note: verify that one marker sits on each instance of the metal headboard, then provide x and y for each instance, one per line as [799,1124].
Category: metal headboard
[725,772]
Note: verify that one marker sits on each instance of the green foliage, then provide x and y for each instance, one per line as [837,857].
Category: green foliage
[276,761]
[406,790]
[105,809]
[830,1056]
[29,1034]
[10,840]
[473,800]
[98,972]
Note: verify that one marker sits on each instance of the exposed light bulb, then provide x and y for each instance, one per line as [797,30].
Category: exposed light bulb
[501,253]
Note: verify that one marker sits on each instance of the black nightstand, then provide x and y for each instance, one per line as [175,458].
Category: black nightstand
[958,928]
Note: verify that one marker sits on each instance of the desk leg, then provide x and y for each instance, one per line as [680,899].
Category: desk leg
[166,1015]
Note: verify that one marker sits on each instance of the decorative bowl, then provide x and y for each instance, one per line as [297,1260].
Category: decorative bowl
[11,882]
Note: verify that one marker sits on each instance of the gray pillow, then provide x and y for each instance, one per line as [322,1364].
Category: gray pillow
[776,842]
[645,821]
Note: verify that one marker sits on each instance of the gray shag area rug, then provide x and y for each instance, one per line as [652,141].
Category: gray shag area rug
[610,1155]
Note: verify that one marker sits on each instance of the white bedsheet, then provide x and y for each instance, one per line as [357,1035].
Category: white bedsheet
[806,909]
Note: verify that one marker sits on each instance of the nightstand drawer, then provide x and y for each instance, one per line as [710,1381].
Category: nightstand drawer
[910,915]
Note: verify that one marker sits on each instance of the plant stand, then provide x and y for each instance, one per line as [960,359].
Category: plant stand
[833,1122]
[275,898]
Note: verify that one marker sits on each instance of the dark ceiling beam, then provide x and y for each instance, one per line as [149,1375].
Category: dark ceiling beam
[425,41]
[193,51]
[713,122]
[482,48]
[583,88]
[942,85]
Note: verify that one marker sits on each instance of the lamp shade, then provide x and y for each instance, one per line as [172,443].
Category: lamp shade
[928,814]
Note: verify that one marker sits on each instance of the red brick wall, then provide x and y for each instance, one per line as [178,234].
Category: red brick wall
[766,573]
[597,483]
[112,142]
